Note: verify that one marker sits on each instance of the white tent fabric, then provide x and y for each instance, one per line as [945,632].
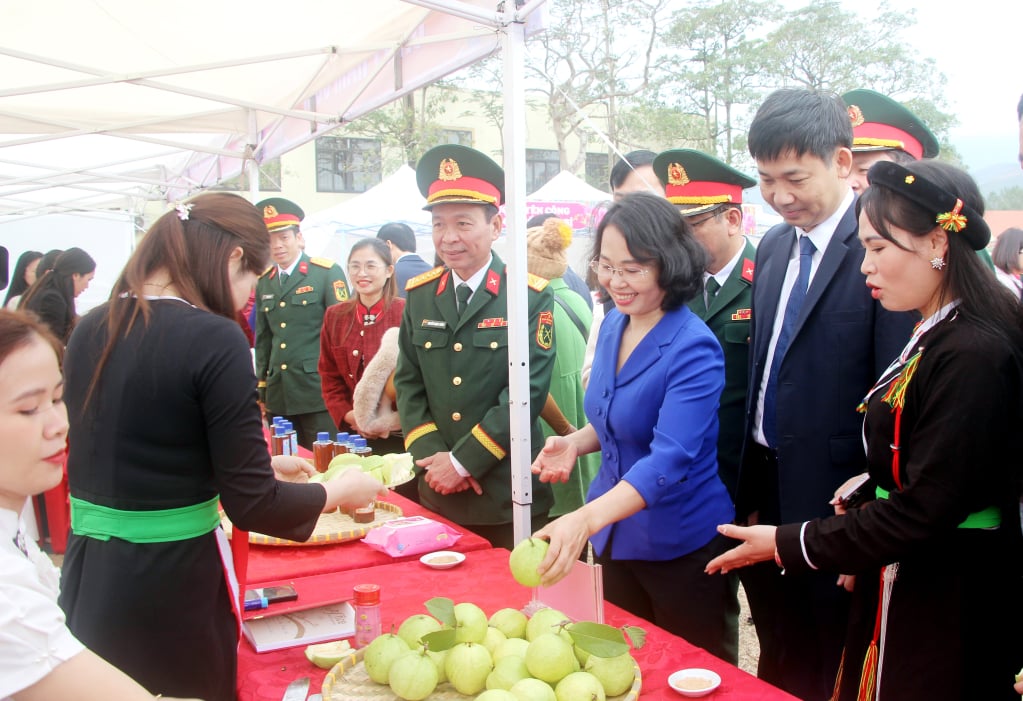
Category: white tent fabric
[110,103]
[330,232]
[566,187]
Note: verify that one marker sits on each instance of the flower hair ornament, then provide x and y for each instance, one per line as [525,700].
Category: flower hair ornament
[183,210]
[950,212]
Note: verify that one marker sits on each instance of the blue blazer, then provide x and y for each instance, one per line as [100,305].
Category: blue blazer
[842,342]
[658,428]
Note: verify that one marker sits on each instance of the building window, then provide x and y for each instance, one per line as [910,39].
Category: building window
[462,137]
[598,171]
[347,165]
[541,166]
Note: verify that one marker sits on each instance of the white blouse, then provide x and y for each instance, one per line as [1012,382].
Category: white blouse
[33,636]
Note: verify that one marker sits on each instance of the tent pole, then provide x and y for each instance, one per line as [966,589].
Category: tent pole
[251,166]
[514,38]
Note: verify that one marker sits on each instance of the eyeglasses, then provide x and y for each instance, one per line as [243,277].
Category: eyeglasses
[631,274]
[370,268]
[694,224]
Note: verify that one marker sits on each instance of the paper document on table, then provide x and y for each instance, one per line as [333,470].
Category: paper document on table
[314,625]
[580,595]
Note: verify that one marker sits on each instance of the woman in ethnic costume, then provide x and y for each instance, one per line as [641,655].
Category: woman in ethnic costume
[936,550]
[164,426]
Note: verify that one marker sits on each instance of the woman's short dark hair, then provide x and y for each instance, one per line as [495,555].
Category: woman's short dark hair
[380,248]
[19,328]
[1005,254]
[657,236]
[18,284]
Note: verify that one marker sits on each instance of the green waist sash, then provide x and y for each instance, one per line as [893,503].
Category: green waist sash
[990,517]
[160,526]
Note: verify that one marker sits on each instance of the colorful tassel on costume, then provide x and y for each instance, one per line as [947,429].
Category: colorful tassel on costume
[868,677]
[895,397]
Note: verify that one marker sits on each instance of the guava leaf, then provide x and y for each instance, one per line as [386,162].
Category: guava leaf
[439,640]
[598,639]
[443,609]
[637,636]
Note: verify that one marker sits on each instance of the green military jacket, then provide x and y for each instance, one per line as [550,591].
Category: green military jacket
[288,323]
[452,387]
[729,318]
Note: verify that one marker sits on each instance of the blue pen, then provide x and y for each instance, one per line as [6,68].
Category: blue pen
[256,604]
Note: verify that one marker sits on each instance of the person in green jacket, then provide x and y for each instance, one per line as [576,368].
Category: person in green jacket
[709,195]
[291,297]
[452,376]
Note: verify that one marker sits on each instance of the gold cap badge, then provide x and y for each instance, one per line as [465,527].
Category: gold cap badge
[269,211]
[855,115]
[449,170]
[677,174]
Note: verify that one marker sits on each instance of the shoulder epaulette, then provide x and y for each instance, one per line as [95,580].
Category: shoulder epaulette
[322,262]
[268,271]
[424,278]
[536,282]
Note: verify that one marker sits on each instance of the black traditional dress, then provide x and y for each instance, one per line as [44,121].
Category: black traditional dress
[173,422]
[942,437]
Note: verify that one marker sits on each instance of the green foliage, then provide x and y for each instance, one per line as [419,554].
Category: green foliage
[1008,198]
[604,640]
[443,609]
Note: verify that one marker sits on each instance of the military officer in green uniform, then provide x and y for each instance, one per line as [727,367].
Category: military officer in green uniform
[709,195]
[291,298]
[452,375]
[885,130]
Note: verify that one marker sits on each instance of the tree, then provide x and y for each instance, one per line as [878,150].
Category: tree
[720,67]
[593,56]
[1010,198]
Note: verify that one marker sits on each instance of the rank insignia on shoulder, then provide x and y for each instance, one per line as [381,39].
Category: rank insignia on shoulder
[495,323]
[302,290]
[747,269]
[537,283]
[340,290]
[424,278]
[322,262]
[545,330]
[270,272]
[742,315]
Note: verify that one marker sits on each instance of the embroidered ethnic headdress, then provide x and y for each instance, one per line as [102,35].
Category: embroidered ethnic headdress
[950,212]
[699,182]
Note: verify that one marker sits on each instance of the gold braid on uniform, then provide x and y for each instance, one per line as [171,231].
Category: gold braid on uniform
[418,432]
[487,442]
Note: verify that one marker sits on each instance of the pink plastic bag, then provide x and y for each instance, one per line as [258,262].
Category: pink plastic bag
[414,535]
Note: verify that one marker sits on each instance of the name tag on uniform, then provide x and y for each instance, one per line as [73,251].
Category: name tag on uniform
[492,323]
[303,290]
[431,324]
[267,297]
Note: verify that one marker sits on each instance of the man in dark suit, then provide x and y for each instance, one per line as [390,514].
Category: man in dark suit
[291,298]
[818,343]
[401,240]
[709,194]
[452,374]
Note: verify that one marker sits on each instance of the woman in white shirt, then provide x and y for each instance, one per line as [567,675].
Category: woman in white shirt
[1008,259]
[39,657]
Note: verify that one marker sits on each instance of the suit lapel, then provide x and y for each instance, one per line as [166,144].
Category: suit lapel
[648,351]
[770,275]
[446,302]
[483,294]
[831,261]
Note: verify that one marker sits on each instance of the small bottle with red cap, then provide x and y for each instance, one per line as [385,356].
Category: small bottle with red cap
[367,613]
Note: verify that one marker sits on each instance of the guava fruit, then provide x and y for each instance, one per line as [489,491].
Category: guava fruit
[549,658]
[467,667]
[381,654]
[614,673]
[525,559]
[413,676]
[579,686]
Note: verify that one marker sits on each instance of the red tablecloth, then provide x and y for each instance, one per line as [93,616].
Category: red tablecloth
[281,562]
[484,579]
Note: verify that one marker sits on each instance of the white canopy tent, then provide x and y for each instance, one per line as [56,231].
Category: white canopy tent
[331,232]
[567,187]
[112,103]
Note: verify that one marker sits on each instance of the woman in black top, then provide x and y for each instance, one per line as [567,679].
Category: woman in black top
[52,297]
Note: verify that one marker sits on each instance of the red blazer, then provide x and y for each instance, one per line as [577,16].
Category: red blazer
[346,347]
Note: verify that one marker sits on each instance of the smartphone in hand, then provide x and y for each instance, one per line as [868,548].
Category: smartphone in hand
[857,492]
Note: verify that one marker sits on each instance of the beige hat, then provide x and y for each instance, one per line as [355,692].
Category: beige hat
[546,246]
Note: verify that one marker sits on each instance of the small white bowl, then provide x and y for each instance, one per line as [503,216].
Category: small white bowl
[694,682]
[442,559]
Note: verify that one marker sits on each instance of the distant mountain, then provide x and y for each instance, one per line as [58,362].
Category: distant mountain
[1001,176]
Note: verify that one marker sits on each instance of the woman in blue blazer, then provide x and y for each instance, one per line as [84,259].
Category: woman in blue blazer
[652,403]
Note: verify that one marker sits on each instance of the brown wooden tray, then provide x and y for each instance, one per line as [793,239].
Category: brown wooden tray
[331,528]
